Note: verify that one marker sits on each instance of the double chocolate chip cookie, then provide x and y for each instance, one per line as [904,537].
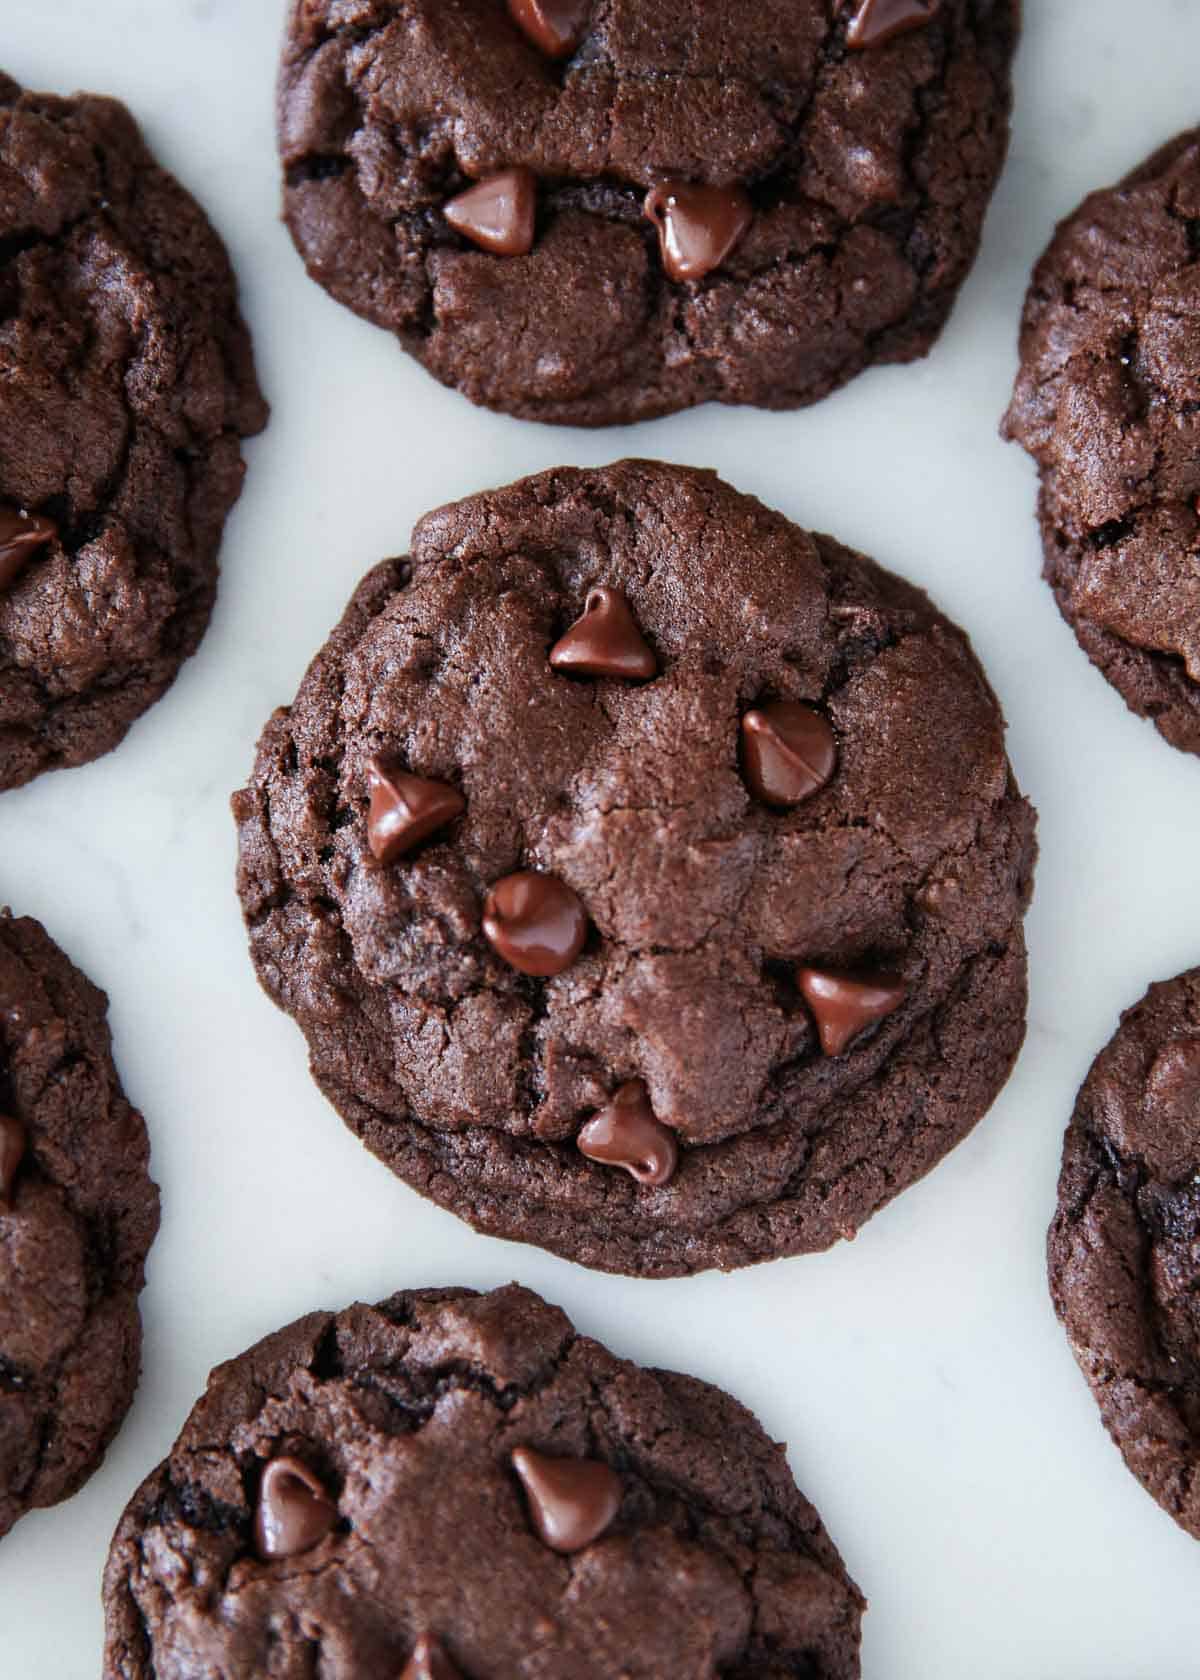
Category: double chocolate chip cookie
[646,874]
[78,1213]
[450,1486]
[126,385]
[1125,1243]
[1108,403]
[597,212]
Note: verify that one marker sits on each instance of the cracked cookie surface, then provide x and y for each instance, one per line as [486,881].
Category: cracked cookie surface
[707,911]
[1107,402]
[408,1415]
[78,1213]
[1124,1242]
[868,174]
[127,384]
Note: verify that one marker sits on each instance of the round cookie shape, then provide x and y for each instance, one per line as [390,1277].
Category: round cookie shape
[506,1491]
[78,1212]
[1106,402]
[593,214]
[128,384]
[701,908]
[1124,1241]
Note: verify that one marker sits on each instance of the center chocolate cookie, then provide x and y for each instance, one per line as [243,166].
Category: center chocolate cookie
[645,873]
[459,1487]
[596,211]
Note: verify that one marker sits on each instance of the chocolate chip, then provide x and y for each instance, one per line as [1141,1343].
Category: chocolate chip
[405,809]
[429,1662]
[1174,1081]
[498,214]
[13,1143]
[877,21]
[697,226]
[571,1500]
[21,535]
[605,641]
[535,922]
[294,1511]
[555,27]
[626,1134]
[788,752]
[844,1005]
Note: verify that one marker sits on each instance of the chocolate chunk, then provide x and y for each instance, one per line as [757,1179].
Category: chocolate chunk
[12,1153]
[846,1004]
[788,752]
[626,1134]
[535,922]
[498,214]
[405,809]
[21,535]
[429,1662]
[697,226]
[555,27]
[877,21]
[605,641]
[571,1500]
[294,1511]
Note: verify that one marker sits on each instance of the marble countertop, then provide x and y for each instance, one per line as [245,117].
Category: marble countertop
[933,1411]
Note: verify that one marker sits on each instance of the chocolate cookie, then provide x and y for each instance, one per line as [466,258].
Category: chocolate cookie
[1124,1247]
[126,383]
[1108,404]
[593,213]
[452,1486]
[638,829]
[78,1213]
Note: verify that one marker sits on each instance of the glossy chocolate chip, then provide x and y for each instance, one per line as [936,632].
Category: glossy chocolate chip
[294,1512]
[535,922]
[571,1500]
[844,1005]
[405,809]
[877,21]
[429,1662]
[555,27]
[498,214]
[1174,1082]
[13,1143]
[788,752]
[605,641]
[697,226]
[21,535]
[625,1134]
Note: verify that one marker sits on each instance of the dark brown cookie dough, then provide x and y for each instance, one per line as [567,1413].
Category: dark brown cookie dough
[126,384]
[467,1471]
[78,1213]
[824,197]
[811,1003]
[1124,1247]
[1108,403]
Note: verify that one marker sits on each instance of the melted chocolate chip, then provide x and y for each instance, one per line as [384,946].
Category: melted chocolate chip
[294,1512]
[788,752]
[13,1144]
[555,27]
[877,21]
[605,641]
[21,535]
[1174,1081]
[498,214]
[571,1500]
[406,809]
[626,1134]
[844,1005]
[697,226]
[535,922]
[429,1662]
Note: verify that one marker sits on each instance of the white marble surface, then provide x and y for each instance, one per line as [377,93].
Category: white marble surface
[933,1410]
